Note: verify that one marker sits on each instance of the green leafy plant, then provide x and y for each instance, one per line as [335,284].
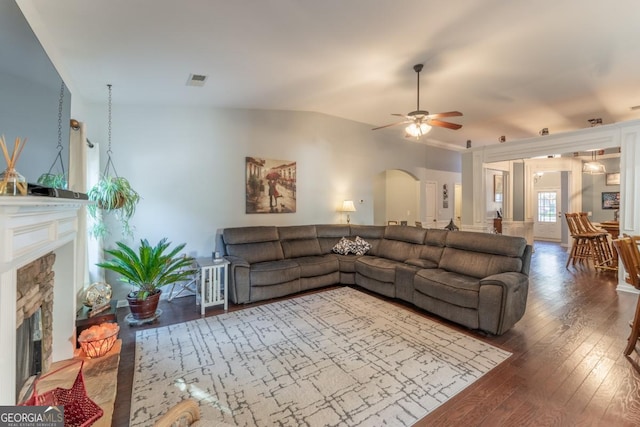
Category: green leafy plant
[149,267]
[112,194]
[57,180]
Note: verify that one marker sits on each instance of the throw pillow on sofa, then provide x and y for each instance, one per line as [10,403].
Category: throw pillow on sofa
[361,246]
[344,246]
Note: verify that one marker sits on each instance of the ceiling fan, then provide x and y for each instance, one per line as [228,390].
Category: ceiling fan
[420,121]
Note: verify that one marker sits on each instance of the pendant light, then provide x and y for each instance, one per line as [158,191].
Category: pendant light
[593,167]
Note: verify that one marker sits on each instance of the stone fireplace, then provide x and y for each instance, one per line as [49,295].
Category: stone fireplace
[41,230]
[34,318]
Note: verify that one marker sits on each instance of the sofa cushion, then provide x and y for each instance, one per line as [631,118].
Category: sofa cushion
[299,240]
[257,252]
[368,232]
[398,250]
[273,272]
[239,235]
[373,234]
[347,263]
[432,254]
[381,269]
[405,234]
[301,247]
[422,263]
[436,237]
[295,232]
[477,264]
[487,243]
[311,266]
[253,244]
[330,234]
[453,288]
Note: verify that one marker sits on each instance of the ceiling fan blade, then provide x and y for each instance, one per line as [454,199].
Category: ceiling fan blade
[392,124]
[440,123]
[447,114]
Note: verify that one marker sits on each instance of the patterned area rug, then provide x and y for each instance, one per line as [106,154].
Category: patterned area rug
[334,358]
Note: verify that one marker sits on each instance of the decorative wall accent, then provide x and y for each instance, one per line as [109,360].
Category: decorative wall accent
[445,196]
[611,200]
[613,178]
[270,185]
[497,188]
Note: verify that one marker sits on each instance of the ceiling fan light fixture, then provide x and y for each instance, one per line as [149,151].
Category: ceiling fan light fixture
[417,130]
[420,121]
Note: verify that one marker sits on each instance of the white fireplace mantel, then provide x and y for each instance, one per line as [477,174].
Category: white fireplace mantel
[31,227]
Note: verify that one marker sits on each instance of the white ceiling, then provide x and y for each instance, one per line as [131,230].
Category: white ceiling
[511,67]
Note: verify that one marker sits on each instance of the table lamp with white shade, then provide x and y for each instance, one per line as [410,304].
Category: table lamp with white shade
[348,206]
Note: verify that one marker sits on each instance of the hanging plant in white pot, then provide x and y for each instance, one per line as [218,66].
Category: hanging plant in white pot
[112,194]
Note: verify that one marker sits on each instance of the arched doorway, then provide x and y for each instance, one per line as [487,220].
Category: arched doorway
[397,197]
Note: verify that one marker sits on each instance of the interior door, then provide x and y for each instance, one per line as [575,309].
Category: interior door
[547,224]
[457,209]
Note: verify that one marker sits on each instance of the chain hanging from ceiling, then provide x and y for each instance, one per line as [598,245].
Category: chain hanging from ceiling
[59,179]
[109,164]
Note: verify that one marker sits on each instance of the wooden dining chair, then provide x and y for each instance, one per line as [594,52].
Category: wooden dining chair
[628,251]
[604,256]
[589,243]
[581,248]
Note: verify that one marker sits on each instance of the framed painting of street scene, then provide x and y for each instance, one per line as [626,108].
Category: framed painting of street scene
[270,185]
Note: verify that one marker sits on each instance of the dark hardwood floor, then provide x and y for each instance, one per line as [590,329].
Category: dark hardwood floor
[567,367]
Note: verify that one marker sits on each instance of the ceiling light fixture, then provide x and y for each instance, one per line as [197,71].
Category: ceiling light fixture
[593,167]
[537,176]
[417,130]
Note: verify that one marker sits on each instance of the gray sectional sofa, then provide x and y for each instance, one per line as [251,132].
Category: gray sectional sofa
[475,279]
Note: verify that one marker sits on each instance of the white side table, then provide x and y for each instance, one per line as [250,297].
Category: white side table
[212,286]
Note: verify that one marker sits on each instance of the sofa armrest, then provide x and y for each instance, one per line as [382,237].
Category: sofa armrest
[502,302]
[239,281]
[404,281]
[237,261]
[510,280]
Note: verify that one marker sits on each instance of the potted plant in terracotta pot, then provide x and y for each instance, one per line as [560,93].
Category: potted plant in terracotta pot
[148,269]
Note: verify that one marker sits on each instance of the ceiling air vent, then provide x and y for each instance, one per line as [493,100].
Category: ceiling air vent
[196,80]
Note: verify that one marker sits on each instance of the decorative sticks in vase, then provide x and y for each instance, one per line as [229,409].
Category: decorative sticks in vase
[11,182]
